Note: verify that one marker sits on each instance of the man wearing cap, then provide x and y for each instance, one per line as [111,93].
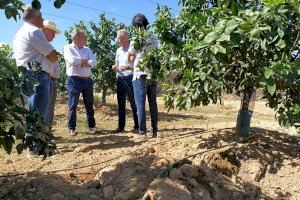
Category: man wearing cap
[31,49]
[79,60]
[53,69]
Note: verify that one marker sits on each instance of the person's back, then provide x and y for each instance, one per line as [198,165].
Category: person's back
[24,46]
[29,44]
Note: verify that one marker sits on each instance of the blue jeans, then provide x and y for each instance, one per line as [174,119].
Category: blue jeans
[51,101]
[124,89]
[39,100]
[141,88]
[76,86]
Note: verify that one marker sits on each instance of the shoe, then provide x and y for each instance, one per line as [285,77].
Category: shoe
[72,132]
[94,130]
[135,130]
[32,154]
[154,135]
[119,130]
[142,135]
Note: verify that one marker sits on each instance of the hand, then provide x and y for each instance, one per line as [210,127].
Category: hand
[115,67]
[85,65]
[84,61]
[123,68]
[53,56]
[131,58]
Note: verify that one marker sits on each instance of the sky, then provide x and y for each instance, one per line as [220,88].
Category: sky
[86,10]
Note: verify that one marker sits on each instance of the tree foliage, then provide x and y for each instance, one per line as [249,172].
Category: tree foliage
[231,46]
[16,118]
[13,8]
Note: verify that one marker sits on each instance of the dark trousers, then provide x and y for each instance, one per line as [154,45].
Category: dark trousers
[76,86]
[141,88]
[124,89]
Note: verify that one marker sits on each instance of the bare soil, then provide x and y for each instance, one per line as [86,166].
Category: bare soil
[124,166]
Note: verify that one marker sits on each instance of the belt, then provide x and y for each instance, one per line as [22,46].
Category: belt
[129,76]
[51,77]
[81,77]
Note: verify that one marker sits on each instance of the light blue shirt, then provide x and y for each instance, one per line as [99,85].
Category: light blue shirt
[73,56]
[122,60]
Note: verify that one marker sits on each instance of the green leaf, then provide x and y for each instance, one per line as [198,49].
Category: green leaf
[206,86]
[280,44]
[202,76]
[280,33]
[20,147]
[271,88]
[19,131]
[268,73]
[218,49]
[224,37]
[255,33]
[231,25]
[220,26]
[8,13]
[211,37]
[245,25]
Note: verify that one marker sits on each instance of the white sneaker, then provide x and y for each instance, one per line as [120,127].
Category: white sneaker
[32,154]
[72,132]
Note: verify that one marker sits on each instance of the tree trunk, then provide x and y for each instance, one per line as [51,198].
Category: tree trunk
[245,112]
[103,98]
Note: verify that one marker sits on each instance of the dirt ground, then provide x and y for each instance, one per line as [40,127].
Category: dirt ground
[124,166]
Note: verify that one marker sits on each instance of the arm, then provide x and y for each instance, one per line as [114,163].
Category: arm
[131,52]
[71,58]
[124,68]
[40,43]
[92,62]
[115,67]
[53,56]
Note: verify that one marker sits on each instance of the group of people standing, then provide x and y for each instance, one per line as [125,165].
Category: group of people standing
[32,48]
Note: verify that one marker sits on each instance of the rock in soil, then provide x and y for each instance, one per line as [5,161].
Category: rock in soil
[108,192]
[107,175]
[168,189]
[189,170]
[175,174]
[252,170]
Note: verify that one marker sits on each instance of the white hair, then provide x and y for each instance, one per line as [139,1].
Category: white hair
[29,13]
[123,32]
[77,31]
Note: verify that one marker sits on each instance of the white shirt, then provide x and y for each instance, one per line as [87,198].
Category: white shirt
[122,60]
[73,56]
[31,45]
[151,43]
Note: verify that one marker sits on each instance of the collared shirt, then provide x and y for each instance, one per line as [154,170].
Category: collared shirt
[151,43]
[31,45]
[73,56]
[122,60]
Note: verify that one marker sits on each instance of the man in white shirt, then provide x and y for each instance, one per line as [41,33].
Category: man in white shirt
[79,61]
[141,86]
[31,48]
[124,69]
[50,31]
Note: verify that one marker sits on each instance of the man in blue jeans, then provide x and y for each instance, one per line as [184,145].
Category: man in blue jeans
[79,61]
[143,87]
[31,49]
[124,70]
